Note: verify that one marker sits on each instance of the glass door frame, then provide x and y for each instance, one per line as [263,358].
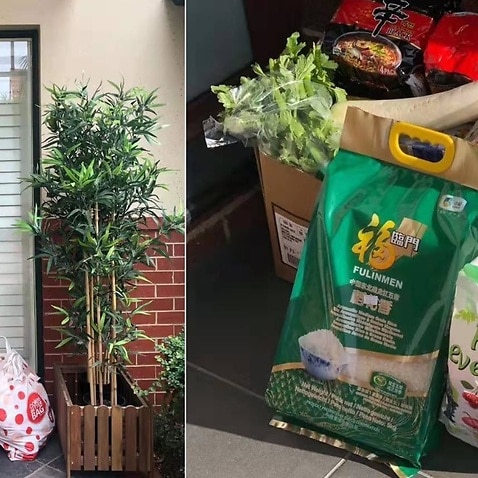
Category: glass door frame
[33,35]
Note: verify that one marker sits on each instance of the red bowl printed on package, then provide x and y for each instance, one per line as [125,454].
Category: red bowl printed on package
[451,56]
[379,47]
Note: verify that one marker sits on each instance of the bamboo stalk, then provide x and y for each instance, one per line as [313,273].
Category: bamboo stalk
[100,346]
[90,360]
[114,384]
[99,337]
[92,351]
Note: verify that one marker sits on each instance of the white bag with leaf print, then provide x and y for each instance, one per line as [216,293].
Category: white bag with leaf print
[26,418]
[459,410]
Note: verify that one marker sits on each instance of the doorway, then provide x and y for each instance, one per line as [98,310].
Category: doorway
[18,159]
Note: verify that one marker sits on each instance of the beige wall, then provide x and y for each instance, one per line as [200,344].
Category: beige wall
[140,40]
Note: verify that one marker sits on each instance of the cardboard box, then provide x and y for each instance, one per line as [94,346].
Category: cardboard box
[289,198]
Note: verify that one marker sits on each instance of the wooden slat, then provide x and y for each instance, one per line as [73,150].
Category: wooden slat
[12,155]
[10,120]
[10,167]
[75,437]
[9,143]
[8,221]
[11,321]
[10,258]
[8,234]
[17,344]
[13,268]
[11,214]
[89,449]
[11,289]
[10,109]
[11,300]
[11,310]
[11,279]
[103,438]
[12,178]
[9,189]
[145,438]
[131,439]
[116,439]
[11,246]
[61,410]
[12,333]
[10,132]
[12,200]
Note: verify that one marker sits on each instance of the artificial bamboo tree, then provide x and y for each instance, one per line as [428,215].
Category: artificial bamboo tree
[100,186]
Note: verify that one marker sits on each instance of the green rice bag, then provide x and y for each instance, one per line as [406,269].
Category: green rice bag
[361,359]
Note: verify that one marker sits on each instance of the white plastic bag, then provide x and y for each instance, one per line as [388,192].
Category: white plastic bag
[460,405]
[26,417]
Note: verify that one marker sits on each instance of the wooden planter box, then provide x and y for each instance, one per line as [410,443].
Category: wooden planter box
[102,438]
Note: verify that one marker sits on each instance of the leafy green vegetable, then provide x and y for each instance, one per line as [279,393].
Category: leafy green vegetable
[287,107]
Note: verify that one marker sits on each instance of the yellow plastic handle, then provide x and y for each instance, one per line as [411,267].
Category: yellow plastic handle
[424,135]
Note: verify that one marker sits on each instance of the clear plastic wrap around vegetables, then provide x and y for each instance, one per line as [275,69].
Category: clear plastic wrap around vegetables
[285,109]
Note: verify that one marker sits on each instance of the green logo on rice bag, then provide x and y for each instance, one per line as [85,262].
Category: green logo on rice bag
[388,385]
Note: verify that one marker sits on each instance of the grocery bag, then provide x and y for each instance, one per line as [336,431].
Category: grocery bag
[26,417]
[361,358]
[460,405]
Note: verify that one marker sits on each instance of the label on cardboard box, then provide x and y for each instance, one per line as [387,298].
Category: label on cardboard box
[291,239]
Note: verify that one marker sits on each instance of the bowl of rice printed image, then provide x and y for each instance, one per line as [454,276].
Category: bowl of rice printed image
[322,354]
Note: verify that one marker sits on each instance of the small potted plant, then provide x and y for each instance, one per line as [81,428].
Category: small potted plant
[168,422]
[100,186]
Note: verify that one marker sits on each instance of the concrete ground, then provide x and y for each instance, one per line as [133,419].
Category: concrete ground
[236,307]
[48,464]
[51,464]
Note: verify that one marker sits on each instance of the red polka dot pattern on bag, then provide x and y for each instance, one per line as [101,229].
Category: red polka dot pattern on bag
[24,408]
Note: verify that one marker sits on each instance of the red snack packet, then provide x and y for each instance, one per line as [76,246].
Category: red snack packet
[451,56]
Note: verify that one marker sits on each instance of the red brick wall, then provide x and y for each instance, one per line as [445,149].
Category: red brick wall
[166,316]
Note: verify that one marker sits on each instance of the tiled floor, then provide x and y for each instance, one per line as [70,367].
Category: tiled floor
[236,307]
[49,464]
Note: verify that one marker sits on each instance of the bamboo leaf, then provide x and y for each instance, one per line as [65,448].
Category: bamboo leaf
[65,341]
[60,310]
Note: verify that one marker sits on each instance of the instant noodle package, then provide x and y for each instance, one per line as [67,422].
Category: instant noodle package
[379,45]
[361,359]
